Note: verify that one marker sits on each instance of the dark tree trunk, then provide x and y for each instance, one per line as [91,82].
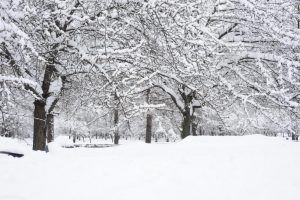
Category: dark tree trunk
[39,134]
[116,121]
[187,112]
[50,127]
[295,137]
[186,124]
[194,126]
[149,120]
[116,139]
[39,130]
[74,138]
[149,128]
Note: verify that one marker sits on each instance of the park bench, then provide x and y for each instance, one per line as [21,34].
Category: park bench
[88,146]
[17,155]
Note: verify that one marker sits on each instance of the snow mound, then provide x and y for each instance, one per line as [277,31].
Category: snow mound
[14,145]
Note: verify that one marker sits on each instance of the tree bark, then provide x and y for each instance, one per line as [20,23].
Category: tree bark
[194,126]
[186,124]
[116,121]
[40,124]
[74,138]
[149,128]
[116,139]
[39,134]
[50,127]
[188,116]
[149,120]
[194,129]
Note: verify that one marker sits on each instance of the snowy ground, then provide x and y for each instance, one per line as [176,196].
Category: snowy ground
[209,168]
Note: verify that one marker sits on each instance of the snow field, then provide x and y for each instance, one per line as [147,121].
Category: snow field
[211,168]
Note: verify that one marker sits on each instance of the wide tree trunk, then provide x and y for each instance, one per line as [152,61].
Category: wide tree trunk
[39,134]
[149,128]
[186,125]
[50,127]
[40,124]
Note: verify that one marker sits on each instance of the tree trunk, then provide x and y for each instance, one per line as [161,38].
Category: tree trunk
[74,138]
[149,120]
[295,137]
[188,116]
[116,121]
[186,125]
[194,126]
[40,129]
[149,128]
[116,139]
[201,131]
[50,127]
[39,134]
